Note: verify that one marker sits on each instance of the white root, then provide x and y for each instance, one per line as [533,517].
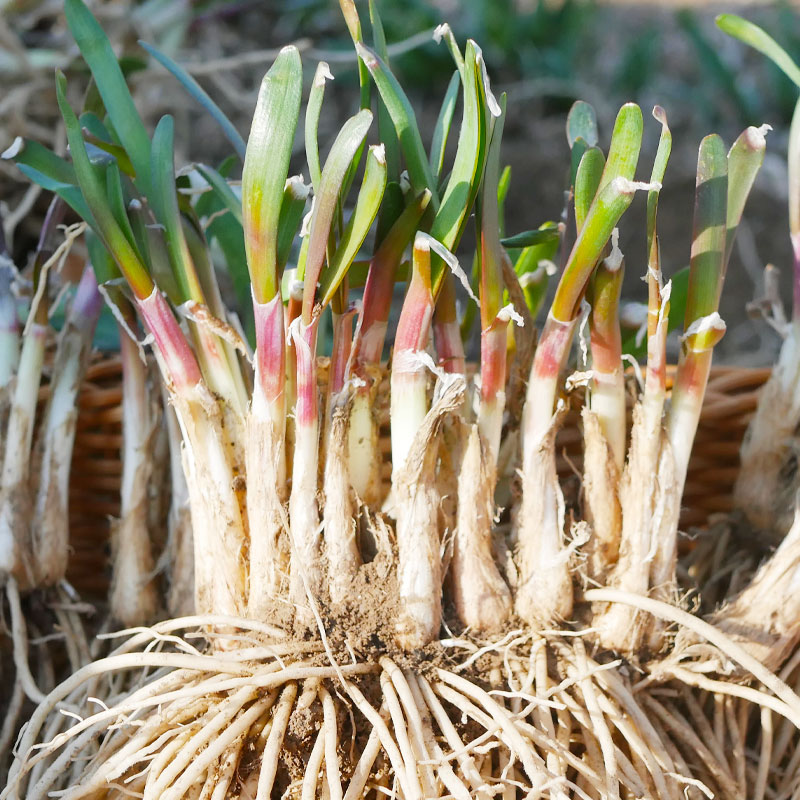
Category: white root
[481,596]
[271,756]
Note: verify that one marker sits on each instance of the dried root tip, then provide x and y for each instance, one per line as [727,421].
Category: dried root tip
[269,551]
[764,490]
[544,592]
[602,505]
[419,569]
[339,525]
[765,617]
[481,596]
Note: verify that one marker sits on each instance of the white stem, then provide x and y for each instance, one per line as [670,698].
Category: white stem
[220,535]
[304,516]
[9,355]
[341,543]
[363,452]
[608,403]
[133,597]
[490,425]
[409,405]
[14,492]
[482,599]
[419,569]
[265,461]
[179,549]
[50,532]
[544,591]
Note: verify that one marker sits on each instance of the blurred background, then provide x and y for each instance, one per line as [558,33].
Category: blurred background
[544,53]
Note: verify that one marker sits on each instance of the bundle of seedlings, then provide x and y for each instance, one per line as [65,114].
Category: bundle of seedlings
[763,614]
[37,442]
[349,639]
[767,482]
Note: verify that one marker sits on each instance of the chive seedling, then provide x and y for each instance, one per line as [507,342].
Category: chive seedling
[347,601]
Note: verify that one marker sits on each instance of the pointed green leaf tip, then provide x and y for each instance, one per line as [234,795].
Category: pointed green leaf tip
[266,166]
[98,54]
[336,166]
[94,193]
[749,33]
[582,124]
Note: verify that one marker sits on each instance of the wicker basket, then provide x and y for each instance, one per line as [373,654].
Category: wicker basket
[96,468]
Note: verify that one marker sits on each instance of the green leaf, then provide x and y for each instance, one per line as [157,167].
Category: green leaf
[116,202]
[657,176]
[354,27]
[266,166]
[446,32]
[293,206]
[196,91]
[462,186]
[744,161]
[710,224]
[386,131]
[105,268]
[793,159]
[107,74]
[443,123]
[582,124]
[51,172]
[94,193]
[164,202]
[751,34]
[39,158]
[96,134]
[626,142]
[502,192]
[369,199]
[538,236]
[490,251]
[392,207]
[342,152]
[313,109]
[587,181]
[609,205]
[405,122]
[222,190]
